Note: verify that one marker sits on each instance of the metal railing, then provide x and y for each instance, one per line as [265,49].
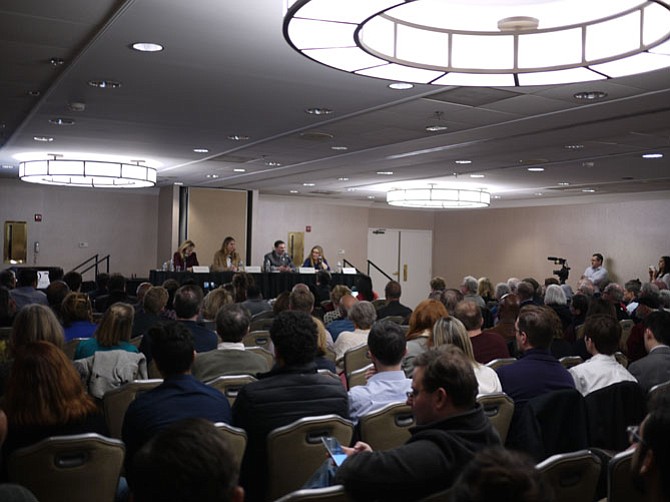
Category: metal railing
[95,265]
[370,265]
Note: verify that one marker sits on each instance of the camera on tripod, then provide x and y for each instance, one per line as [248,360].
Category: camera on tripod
[564,271]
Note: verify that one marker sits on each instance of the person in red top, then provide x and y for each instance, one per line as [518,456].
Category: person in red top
[486,345]
[185,258]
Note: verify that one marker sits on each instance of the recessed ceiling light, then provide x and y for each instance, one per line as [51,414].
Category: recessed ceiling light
[104,84]
[590,95]
[573,147]
[351,189]
[536,169]
[339,148]
[371,196]
[238,137]
[308,184]
[400,86]
[178,183]
[61,121]
[385,173]
[539,193]
[56,61]
[7,166]
[343,178]
[477,176]
[201,150]
[588,163]
[463,161]
[563,184]
[496,197]
[436,128]
[43,139]
[239,170]
[213,176]
[652,156]
[271,163]
[146,47]
[319,111]
[34,94]
[294,191]
[588,190]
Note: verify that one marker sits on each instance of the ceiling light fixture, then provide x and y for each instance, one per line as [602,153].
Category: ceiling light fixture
[34,94]
[318,111]
[463,161]
[438,198]
[238,137]
[343,178]
[7,166]
[400,86]
[371,197]
[589,190]
[212,176]
[590,95]
[201,150]
[536,169]
[563,184]
[105,84]
[385,173]
[56,61]
[439,126]
[146,47]
[478,176]
[652,156]
[573,147]
[308,184]
[239,170]
[43,139]
[61,121]
[271,163]
[293,191]
[481,42]
[339,148]
[87,173]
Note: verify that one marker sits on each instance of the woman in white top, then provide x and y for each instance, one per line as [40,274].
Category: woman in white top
[663,272]
[450,330]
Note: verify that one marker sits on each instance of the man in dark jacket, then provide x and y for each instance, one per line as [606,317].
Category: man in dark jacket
[292,390]
[451,428]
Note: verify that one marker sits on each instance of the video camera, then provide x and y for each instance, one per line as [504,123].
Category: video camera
[564,271]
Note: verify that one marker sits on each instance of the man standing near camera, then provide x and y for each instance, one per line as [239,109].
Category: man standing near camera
[596,273]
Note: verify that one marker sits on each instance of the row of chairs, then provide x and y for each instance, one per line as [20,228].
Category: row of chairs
[567,361]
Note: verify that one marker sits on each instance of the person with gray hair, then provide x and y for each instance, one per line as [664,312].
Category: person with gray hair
[513,282]
[502,289]
[613,293]
[469,289]
[363,315]
[555,299]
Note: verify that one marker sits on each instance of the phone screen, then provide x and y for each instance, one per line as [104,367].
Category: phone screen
[334,450]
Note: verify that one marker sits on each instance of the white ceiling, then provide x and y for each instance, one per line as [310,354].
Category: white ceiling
[226,69]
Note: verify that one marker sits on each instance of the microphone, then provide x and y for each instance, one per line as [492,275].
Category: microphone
[552,258]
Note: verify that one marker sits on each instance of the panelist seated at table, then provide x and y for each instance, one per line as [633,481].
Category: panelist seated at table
[278,259]
[185,258]
[226,258]
[316,259]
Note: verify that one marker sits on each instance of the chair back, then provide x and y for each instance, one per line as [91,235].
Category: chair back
[626,328]
[499,408]
[358,377]
[657,390]
[136,341]
[498,363]
[295,451]
[330,354]
[230,385]
[621,359]
[75,468]
[620,486]
[612,409]
[387,427]
[70,347]
[398,319]
[356,358]
[333,493]
[379,303]
[266,314]
[573,476]
[269,357]
[261,324]
[570,361]
[257,338]
[116,402]
[236,438]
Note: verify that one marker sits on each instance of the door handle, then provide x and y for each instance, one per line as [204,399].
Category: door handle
[404,272]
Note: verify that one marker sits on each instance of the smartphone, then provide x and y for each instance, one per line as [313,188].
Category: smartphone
[334,450]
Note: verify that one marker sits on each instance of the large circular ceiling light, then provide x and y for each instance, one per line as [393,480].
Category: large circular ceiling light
[483,42]
[438,198]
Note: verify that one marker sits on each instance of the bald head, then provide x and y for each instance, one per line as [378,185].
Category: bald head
[346,302]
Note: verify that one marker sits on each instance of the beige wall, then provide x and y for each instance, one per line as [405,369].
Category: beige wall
[168,223]
[116,222]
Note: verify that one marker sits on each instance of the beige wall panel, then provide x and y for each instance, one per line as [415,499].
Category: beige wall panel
[168,223]
[214,214]
[414,219]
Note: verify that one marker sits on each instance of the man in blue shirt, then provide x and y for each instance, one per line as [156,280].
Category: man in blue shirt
[179,396]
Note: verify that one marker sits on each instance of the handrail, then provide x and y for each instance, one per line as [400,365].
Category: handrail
[347,262]
[370,263]
[97,261]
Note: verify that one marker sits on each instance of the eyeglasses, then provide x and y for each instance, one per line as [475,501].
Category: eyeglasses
[634,437]
[412,393]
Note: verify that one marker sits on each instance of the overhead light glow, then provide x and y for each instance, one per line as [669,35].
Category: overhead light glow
[147,47]
[339,148]
[238,137]
[438,198]
[201,150]
[43,139]
[536,169]
[104,84]
[385,173]
[318,111]
[239,170]
[308,184]
[463,161]
[343,179]
[400,86]
[478,176]
[652,156]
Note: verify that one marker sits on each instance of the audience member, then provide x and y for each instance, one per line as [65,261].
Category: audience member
[56,292]
[140,291]
[302,300]
[559,347]
[73,280]
[188,461]
[321,290]
[336,295]
[602,335]
[393,307]
[555,299]
[537,290]
[437,285]
[25,291]
[212,303]
[632,290]
[578,308]
[450,298]
[596,273]
[513,283]
[254,302]
[113,333]
[180,395]
[117,293]
[486,345]
[469,289]
[187,302]
[654,368]
[153,303]
[451,331]
[635,344]
[362,314]
[388,384]
[451,428]
[525,291]
[485,289]
[364,287]
[420,328]
[337,326]
[7,308]
[281,303]
[613,293]
[230,358]
[291,390]
[77,316]
[508,311]
[8,279]
[101,283]
[241,284]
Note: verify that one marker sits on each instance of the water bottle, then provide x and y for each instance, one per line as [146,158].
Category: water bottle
[240,267]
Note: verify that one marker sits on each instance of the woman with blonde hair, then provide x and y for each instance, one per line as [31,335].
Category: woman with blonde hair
[227,257]
[214,300]
[77,314]
[113,333]
[45,397]
[485,289]
[450,331]
[185,258]
[420,328]
[316,259]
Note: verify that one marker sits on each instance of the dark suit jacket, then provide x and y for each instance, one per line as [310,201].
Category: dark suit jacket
[652,369]
[394,308]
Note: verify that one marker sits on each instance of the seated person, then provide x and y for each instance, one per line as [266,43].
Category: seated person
[179,396]
[153,303]
[113,333]
[393,307]
[117,293]
[185,258]
[254,302]
[25,291]
[486,345]
[278,259]
[77,315]
[654,368]
[363,315]
[226,258]
[230,358]
[602,334]
[316,259]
